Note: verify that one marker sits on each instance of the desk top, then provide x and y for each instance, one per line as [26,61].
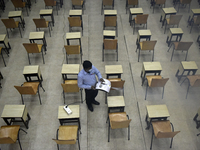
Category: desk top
[116,101]
[157,111]
[46,11]
[36,35]
[135,11]
[13,111]
[176,30]
[113,69]
[75,12]
[2,37]
[151,66]
[110,12]
[108,33]
[62,114]
[170,10]
[73,35]
[187,65]
[195,11]
[144,32]
[14,14]
[70,69]
[31,69]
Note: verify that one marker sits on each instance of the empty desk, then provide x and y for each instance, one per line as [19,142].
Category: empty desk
[73,36]
[15,113]
[109,34]
[150,67]
[47,12]
[143,34]
[186,66]
[63,117]
[69,69]
[156,112]
[194,12]
[17,14]
[4,41]
[75,13]
[134,11]
[110,12]
[113,70]
[178,32]
[37,36]
[165,12]
[116,102]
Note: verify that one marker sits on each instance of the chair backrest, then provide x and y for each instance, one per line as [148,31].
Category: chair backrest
[49,2]
[72,49]
[160,2]
[18,3]
[77,2]
[148,45]
[185,1]
[110,21]
[107,2]
[184,46]
[166,134]
[120,124]
[6,140]
[110,44]
[159,82]
[31,47]
[117,84]
[141,19]
[74,21]
[197,83]
[70,86]
[197,20]
[132,2]
[72,141]
[40,23]
[9,23]
[175,19]
[25,90]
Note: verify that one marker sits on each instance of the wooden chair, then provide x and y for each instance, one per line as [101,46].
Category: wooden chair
[42,23]
[11,24]
[20,4]
[34,48]
[71,86]
[110,21]
[133,3]
[193,81]
[158,2]
[73,50]
[140,19]
[146,45]
[105,3]
[195,21]
[118,120]
[184,2]
[109,44]
[163,129]
[79,3]
[156,81]
[1,49]
[75,22]
[29,88]
[180,46]
[51,3]
[67,134]
[172,20]
[10,134]
[116,84]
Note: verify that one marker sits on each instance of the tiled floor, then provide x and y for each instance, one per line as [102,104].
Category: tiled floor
[44,121]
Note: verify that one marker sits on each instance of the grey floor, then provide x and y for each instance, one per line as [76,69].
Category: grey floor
[44,121]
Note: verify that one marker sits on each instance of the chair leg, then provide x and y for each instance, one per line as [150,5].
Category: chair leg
[172,54]
[146,91]
[129,132]
[43,57]
[64,96]
[103,53]
[29,59]
[20,30]
[39,96]
[7,32]
[153,56]
[138,55]
[78,143]
[58,146]
[171,143]
[22,99]
[3,59]
[116,30]
[27,11]
[66,58]
[117,52]
[163,91]
[187,90]
[186,55]
[108,130]
[152,139]
[49,32]
[106,97]
[19,143]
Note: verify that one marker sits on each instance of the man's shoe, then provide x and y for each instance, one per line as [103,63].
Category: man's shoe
[95,102]
[90,108]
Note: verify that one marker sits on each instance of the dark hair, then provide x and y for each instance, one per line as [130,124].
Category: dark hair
[87,64]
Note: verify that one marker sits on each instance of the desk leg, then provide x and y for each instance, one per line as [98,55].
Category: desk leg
[179,78]
[52,18]
[119,75]
[68,42]
[61,123]
[143,78]
[25,123]
[194,72]
[6,121]
[79,123]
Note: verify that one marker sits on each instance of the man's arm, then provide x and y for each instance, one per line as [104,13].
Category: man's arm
[81,85]
[98,74]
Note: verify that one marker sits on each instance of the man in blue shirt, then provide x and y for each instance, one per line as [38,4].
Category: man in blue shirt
[87,80]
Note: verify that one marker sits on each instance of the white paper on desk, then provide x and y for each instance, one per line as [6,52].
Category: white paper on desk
[105,86]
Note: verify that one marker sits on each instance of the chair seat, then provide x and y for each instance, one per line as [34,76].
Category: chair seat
[70,81]
[149,78]
[117,116]
[192,79]
[142,48]
[34,85]
[68,132]
[9,131]
[161,126]
[114,79]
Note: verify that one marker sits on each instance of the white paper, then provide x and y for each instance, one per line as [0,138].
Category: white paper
[104,86]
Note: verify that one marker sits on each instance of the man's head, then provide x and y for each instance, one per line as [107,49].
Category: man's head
[87,65]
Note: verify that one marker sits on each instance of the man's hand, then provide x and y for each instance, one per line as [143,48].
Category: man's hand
[93,87]
[102,80]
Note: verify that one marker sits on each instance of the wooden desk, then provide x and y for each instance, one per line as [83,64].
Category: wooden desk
[73,36]
[4,41]
[109,34]
[143,34]
[47,12]
[14,112]
[37,36]
[63,117]
[110,12]
[113,70]
[116,102]
[189,66]
[156,112]
[150,67]
[70,69]
[165,12]
[76,13]
[194,12]
[178,32]
[17,14]
[134,11]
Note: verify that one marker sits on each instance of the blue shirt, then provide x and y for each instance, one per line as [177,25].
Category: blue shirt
[86,80]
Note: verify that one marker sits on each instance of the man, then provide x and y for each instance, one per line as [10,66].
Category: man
[87,80]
